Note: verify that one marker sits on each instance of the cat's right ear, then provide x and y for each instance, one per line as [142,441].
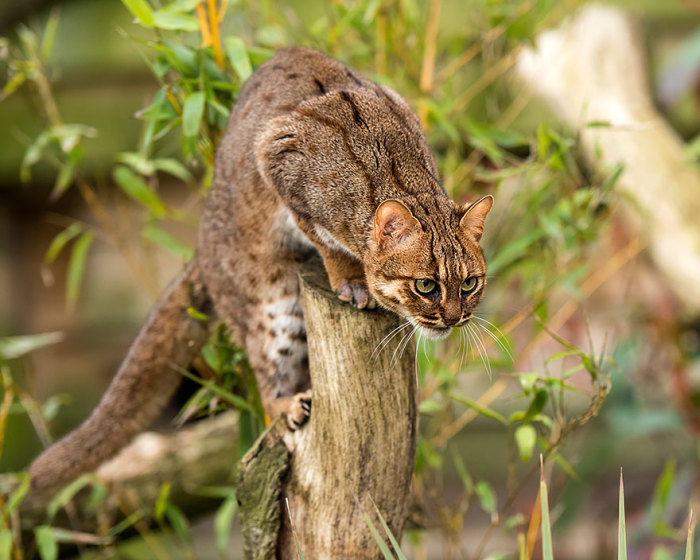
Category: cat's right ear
[394,225]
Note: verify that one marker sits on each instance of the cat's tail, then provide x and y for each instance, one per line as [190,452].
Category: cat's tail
[147,378]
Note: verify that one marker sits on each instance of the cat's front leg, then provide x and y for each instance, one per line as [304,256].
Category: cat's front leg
[347,278]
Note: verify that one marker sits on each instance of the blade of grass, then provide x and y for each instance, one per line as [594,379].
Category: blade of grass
[547,553]
[621,530]
[294,532]
[389,534]
[377,537]
[691,537]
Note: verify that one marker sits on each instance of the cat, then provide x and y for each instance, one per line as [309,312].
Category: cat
[315,159]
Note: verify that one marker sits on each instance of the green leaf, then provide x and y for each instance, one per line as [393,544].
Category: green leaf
[178,521]
[59,242]
[136,188]
[691,538]
[141,10]
[66,494]
[430,406]
[5,544]
[222,522]
[49,37]
[162,502]
[156,235]
[389,534]
[487,497]
[546,527]
[386,553]
[192,113]
[163,19]
[13,347]
[76,267]
[483,410]
[235,400]
[238,55]
[46,543]
[536,406]
[621,529]
[172,167]
[526,437]
[18,495]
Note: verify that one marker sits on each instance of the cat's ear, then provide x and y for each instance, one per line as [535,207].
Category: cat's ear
[474,216]
[394,225]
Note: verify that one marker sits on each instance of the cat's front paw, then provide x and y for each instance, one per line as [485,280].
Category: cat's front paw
[299,410]
[356,293]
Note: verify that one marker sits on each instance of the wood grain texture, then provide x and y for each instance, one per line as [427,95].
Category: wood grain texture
[359,447]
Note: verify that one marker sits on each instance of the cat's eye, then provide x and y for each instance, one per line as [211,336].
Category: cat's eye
[469,284]
[425,286]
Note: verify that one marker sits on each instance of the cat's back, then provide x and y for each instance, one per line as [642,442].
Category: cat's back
[290,77]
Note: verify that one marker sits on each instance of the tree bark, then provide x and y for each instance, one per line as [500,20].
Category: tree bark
[358,450]
[592,69]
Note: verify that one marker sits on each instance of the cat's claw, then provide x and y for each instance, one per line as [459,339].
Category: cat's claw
[356,293]
[299,411]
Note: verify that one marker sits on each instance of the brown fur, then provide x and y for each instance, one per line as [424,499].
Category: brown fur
[315,158]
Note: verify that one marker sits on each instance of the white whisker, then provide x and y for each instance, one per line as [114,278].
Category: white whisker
[479,344]
[387,339]
[494,337]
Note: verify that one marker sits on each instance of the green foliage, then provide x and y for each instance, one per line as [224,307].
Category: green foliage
[549,219]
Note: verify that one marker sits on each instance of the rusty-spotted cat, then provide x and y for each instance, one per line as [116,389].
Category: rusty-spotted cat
[315,158]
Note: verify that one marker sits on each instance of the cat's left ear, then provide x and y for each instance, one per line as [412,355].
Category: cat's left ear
[475,215]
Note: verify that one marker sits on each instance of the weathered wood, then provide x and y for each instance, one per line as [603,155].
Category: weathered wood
[593,69]
[358,449]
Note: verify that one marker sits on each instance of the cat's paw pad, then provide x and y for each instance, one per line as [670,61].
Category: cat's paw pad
[356,293]
[299,410]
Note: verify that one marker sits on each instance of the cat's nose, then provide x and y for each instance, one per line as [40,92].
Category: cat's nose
[450,320]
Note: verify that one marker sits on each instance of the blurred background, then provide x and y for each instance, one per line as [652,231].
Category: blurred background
[590,348]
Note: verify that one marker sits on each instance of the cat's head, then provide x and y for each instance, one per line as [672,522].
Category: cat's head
[433,274]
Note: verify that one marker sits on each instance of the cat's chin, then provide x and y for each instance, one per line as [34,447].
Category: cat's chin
[435,333]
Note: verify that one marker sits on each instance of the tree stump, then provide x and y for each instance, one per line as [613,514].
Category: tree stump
[358,450]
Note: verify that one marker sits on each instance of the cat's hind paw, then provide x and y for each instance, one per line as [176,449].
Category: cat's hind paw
[299,410]
[356,293]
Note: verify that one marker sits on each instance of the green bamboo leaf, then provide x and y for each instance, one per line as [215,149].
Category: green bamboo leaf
[192,113]
[546,528]
[238,55]
[486,495]
[161,502]
[526,437]
[222,522]
[235,400]
[60,241]
[165,19]
[6,544]
[49,37]
[536,406]
[178,522]
[76,267]
[691,537]
[386,553]
[46,543]
[173,167]
[141,10]
[18,495]
[156,235]
[483,410]
[66,494]
[621,529]
[13,347]
[136,188]
[395,545]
